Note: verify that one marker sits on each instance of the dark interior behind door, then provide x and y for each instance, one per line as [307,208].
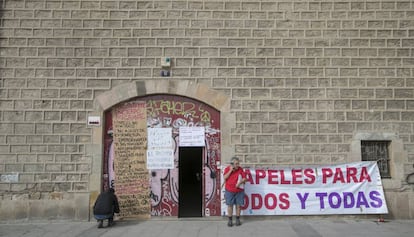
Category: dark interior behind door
[190,182]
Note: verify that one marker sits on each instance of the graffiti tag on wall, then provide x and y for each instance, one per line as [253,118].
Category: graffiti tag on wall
[170,111]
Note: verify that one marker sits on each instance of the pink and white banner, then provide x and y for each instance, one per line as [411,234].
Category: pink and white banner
[353,188]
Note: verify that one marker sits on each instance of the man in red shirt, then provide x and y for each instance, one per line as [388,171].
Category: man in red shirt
[234,178]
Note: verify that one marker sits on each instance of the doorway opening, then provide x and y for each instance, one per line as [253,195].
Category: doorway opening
[190,182]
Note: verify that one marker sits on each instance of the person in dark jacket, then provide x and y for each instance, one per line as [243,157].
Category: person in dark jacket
[106,205]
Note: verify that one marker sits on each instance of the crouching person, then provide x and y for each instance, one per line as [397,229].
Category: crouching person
[106,205]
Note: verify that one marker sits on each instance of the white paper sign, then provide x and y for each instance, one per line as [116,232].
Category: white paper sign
[159,138]
[192,136]
[160,159]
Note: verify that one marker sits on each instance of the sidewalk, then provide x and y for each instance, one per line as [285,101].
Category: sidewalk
[207,227]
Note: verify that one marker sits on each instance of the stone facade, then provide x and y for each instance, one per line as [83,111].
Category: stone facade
[301,82]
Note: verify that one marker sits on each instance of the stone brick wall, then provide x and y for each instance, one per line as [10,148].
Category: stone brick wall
[304,77]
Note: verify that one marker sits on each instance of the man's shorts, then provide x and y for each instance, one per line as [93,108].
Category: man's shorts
[234,198]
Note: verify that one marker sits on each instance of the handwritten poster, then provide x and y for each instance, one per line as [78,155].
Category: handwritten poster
[160,154]
[192,136]
[159,138]
[130,142]
[160,159]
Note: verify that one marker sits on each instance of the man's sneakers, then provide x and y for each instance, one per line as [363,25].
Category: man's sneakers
[238,223]
[230,223]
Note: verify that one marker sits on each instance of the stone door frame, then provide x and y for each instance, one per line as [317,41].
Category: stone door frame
[127,91]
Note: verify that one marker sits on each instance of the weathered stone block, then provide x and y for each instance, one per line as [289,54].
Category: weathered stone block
[19,148]
[53,168]
[4,148]
[80,186]
[26,158]
[33,168]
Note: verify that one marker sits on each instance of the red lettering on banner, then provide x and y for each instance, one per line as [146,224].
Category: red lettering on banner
[270,205]
[270,201]
[326,173]
[249,177]
[283,179]
[296,176]
[307,176]
[364,175]
[273,177]
[351,174]
[310,176]
[339,176]
[257,201]
[260,174]
[284,201]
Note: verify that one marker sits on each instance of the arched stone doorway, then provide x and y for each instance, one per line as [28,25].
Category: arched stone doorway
[169,92]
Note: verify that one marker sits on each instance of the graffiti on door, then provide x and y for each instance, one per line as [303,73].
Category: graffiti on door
[169,111]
